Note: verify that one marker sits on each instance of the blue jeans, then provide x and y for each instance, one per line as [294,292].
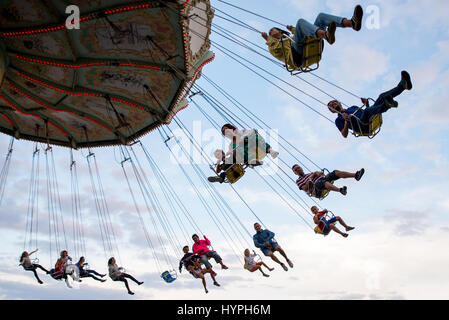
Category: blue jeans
[379,105]
[306,29]
[204,258]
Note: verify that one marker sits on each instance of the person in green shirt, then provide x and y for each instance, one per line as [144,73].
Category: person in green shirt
[290,51]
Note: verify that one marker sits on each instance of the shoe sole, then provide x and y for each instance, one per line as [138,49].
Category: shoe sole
[357,18]
[406,76]
[331,32]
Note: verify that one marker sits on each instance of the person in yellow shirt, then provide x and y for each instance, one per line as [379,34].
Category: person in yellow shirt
[291,50]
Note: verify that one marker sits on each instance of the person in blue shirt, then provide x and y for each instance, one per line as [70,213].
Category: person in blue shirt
[264,240]
[358,120]
[84,273]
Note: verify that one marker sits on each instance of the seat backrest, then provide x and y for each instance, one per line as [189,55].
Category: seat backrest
[312,49]
[234,173]
[167,277]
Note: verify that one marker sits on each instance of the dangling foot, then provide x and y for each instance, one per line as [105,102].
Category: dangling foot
[207,291]
[102,275]
[215,179]
[357,18]
[390,102]
[216,284]
[359,174]
[345,235]
[224,267]
[274,154]
[40,281]
[290,263]
[350,228]
[284,266]
[406,81]
[270,269]
[344,190]
[103,280]
[131,293]
[266,275]
[140,283]
[330,34]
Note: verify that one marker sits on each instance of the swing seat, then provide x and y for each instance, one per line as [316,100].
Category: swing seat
[375,124]
[56,275]
[311,56]
[234,173]
[319,231]
[245,266]
[169,276]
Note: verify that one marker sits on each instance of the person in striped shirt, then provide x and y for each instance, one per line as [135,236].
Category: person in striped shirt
[326,225]
[315,183]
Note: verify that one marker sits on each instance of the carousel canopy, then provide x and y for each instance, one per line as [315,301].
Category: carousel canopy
[124,72]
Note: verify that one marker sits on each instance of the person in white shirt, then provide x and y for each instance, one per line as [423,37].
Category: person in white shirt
[26,263]
[253,265]
[116,274]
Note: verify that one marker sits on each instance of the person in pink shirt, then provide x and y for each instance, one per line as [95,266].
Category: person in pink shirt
[200,247]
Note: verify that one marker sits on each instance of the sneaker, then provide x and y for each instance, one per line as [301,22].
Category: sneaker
[344,190]
[290,263]
[215,179]
[345,235]
[207,291]
[350,228]
[274,154]
[216,284]
[357,18]
[40,281]
[140,283]
[390,102]
[131,293]
[284,266]
[359,174]
[266,275]
[406,81]
[330,34]
[224,267]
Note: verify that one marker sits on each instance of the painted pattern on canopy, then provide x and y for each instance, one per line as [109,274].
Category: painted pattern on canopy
[126,71]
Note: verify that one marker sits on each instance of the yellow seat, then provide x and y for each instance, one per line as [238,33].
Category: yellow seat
[234,173]
[245,266]
[311,56]
[375,124]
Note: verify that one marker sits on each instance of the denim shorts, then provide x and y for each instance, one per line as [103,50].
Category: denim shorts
[266,250]
[320,183]
[326,228]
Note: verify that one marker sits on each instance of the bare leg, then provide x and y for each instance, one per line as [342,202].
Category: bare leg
[330,186]
[203,280]
[263,263]
[259,267]
[282,252]
[347,23]
[344,174]
[348,228]
[274,258]
[334,228]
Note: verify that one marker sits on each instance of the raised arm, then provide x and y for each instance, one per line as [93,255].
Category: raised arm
[345,130]
[207,240]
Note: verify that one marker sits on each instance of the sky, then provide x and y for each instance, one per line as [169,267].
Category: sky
[399,209]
